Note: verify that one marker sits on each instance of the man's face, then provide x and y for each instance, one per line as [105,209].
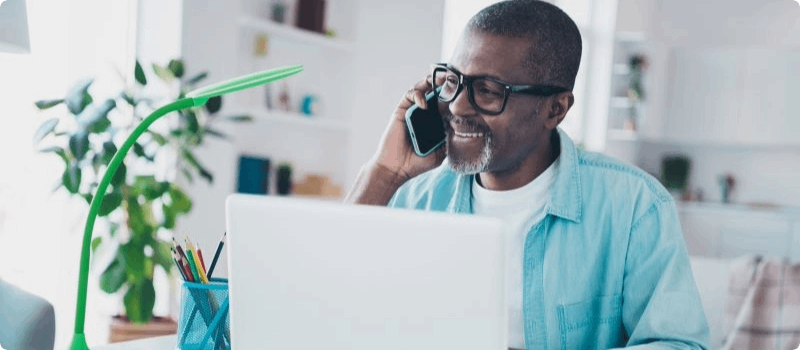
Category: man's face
[493,143]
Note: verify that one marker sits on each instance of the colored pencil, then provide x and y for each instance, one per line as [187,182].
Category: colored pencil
[190,259]
[186,269]
[216,255]
[178,264]
[202,261]
[179,249]
[201,274]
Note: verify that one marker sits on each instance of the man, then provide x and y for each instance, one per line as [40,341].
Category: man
[597,258]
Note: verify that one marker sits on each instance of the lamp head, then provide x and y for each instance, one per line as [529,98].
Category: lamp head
[200,96]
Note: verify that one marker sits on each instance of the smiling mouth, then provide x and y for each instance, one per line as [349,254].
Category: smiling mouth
[468,134]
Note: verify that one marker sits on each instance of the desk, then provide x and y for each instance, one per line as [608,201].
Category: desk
[158,343]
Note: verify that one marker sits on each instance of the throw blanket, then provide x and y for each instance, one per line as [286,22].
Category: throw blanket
[762,311]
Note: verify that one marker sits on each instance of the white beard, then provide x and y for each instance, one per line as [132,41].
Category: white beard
[473,167]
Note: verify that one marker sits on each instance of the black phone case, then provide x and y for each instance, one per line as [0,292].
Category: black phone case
[431,99]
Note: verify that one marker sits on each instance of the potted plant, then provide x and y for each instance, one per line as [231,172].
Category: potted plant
[145,198]
[637,65]
[279,12]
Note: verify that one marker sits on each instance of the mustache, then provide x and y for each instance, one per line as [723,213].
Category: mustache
[469,124]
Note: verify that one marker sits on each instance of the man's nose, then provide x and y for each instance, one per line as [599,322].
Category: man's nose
[460,106]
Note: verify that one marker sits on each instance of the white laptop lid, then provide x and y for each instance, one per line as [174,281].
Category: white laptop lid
[308,274]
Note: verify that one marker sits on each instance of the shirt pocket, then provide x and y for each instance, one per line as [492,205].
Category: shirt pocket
[592,324]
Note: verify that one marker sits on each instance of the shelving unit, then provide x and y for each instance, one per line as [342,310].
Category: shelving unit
[294,34]
[277,118]
[312,144]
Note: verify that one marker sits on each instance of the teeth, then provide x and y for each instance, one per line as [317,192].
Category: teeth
[475,134]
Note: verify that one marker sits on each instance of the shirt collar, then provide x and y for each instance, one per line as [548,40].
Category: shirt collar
[565,198]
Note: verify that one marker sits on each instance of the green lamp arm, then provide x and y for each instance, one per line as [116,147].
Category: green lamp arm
[79,340]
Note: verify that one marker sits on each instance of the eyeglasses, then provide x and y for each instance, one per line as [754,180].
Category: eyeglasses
[487,95]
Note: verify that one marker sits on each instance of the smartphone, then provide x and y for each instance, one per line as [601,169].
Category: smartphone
[425,126]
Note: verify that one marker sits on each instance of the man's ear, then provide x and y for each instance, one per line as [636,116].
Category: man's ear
[559,105]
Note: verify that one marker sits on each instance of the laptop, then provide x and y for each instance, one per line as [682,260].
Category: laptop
[310,274]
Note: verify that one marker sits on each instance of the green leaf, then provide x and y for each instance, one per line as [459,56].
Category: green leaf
[188,175]
[158,138]
[176,67]
[169,217]
[138,149]
[114,276]
[150,188]
[96,114]
[133,258]
[101,126]
[45,104]
[72,178]
[162,254]
[190,158]
[190,118]
[240,118]
[180,201]
[110,203]
[109,149]
[128,99]
[45,129]
[163,73]
[77,97]
[216,133]
[88,197]
[79,145]
[137,221]
[138,73]
[197,78]
[119,177]
[96,242]
[57,150]
[214,104]
[139,301]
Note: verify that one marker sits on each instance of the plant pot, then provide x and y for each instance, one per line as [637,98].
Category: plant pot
[124,330]
[284,179]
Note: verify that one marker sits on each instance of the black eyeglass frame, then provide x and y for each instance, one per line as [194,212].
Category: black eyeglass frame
[508,89]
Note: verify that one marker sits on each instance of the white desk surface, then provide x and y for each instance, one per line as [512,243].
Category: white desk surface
[157,343]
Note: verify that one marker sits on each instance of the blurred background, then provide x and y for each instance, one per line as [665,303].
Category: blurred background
[703,95]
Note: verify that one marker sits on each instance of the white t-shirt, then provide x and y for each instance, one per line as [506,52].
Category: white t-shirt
[523,208]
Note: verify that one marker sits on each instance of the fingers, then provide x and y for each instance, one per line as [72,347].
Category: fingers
[417,93]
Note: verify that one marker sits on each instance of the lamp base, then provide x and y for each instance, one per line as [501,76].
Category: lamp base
[78,342]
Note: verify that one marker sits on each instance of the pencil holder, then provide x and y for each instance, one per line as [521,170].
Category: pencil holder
[204,322]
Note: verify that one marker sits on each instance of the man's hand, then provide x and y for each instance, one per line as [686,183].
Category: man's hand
[395,153]
[395,162]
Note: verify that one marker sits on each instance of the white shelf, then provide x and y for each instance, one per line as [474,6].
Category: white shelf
[294,119]
[623,135]
[621,69]
[630,37]
[621,102]
[295,34]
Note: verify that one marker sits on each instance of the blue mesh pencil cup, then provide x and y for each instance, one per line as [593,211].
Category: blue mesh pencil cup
[204,322]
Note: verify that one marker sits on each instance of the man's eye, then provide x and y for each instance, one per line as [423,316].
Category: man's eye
[490,92]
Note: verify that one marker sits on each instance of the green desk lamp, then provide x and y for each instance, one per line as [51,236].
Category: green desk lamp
[193,99]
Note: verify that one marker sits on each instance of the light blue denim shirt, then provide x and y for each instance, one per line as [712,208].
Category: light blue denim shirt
[606,268]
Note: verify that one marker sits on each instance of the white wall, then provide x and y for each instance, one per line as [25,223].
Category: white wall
[764,174]
[399,53]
